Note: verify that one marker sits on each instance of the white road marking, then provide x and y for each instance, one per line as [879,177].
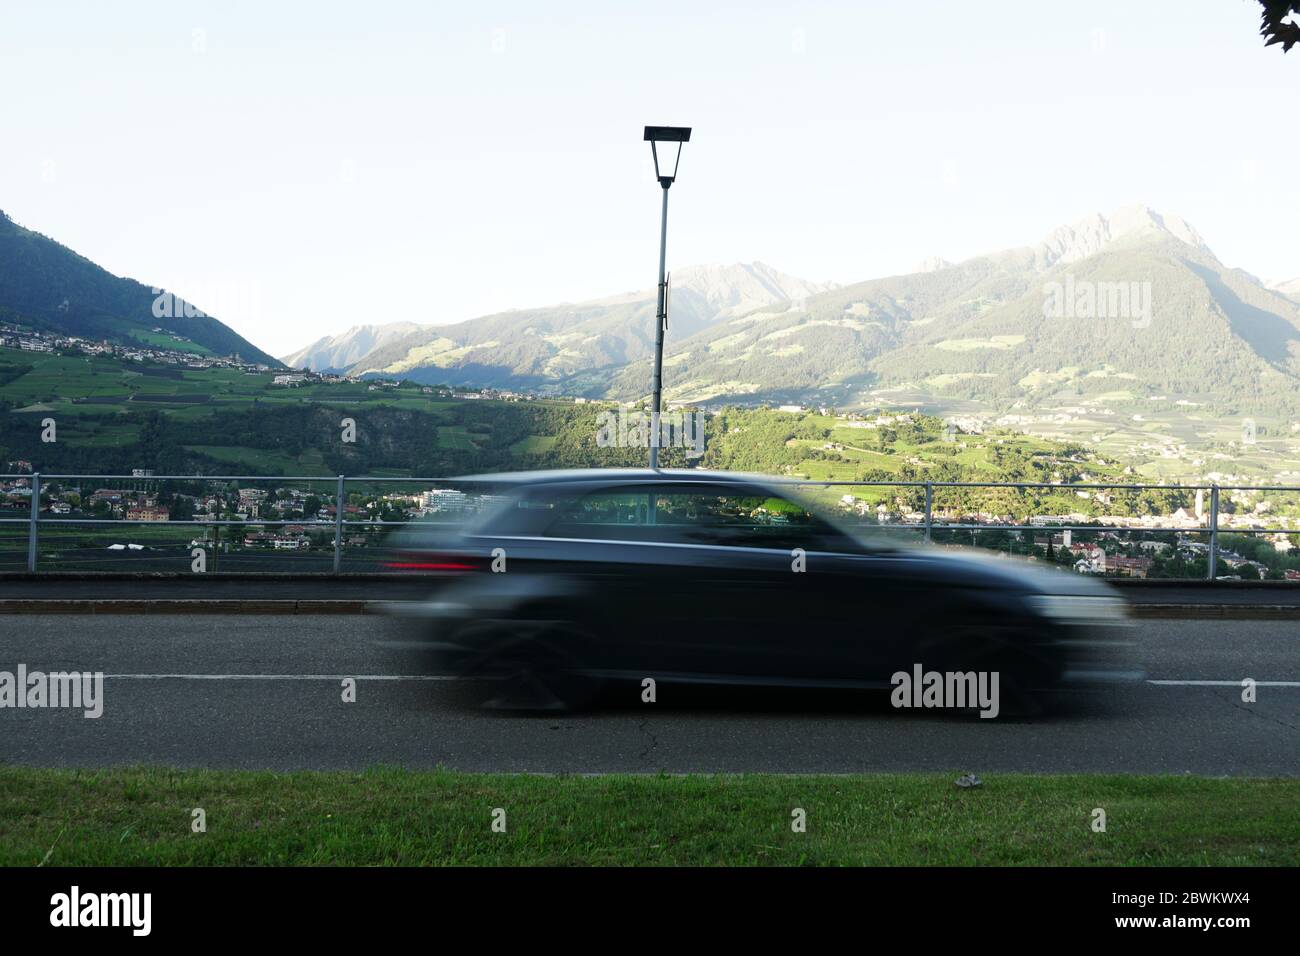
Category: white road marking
[398,677]
[440,677]
[1225,683]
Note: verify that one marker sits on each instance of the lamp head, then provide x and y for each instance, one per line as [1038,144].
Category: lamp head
[654,135]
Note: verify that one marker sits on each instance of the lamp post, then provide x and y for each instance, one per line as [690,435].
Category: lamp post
[654,135]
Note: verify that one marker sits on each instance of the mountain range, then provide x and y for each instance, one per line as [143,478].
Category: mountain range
[47,286]
[984,328]
[1152,313]
[534,347]
[337,353]
[1133,306]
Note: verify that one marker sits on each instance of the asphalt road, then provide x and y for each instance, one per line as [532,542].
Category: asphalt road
[265,692]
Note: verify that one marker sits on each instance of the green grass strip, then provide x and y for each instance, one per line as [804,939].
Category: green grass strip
[143,816]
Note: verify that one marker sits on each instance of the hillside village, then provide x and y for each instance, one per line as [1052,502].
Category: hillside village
[36,340]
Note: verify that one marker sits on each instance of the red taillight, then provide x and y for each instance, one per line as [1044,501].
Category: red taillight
[431,562]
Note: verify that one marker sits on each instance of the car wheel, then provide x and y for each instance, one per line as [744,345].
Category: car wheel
[990,648]
[531,671]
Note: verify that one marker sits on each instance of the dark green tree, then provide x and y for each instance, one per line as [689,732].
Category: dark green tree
[1280,22]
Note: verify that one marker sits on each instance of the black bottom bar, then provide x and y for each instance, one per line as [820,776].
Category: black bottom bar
[333,905]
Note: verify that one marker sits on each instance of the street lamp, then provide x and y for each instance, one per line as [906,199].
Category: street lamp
[654,135]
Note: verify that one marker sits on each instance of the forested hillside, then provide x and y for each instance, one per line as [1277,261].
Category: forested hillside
[45,285]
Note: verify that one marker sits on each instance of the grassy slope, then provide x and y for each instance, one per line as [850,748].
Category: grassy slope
[143,816]
[54,381]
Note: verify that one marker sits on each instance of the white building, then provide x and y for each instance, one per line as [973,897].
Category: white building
[445,500]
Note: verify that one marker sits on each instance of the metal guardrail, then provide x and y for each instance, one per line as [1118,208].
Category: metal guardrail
[928,525]
[339,523]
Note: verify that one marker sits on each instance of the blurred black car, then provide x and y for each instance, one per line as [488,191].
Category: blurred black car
[575,579]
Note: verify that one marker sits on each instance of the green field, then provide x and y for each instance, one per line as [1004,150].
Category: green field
[257,460]
[164,341]
[57,379]
[397,817]
[455,436]
[533,445]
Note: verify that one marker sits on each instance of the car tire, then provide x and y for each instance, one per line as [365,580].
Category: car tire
[1022,677]
[526,669]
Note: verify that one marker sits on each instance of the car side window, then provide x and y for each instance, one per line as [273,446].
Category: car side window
[691,515]
[618,515]
[739,519]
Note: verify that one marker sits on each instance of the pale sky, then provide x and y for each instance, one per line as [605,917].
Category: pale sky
[298,168]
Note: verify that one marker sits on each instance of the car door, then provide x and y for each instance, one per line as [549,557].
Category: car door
[820,606]
[734,577]
[668,600]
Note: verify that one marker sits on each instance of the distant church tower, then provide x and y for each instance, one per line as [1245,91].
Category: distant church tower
[1200,504]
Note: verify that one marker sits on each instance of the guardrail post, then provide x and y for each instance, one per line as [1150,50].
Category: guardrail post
[338,526]
[929,510]
[31,527]
[1214,533]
